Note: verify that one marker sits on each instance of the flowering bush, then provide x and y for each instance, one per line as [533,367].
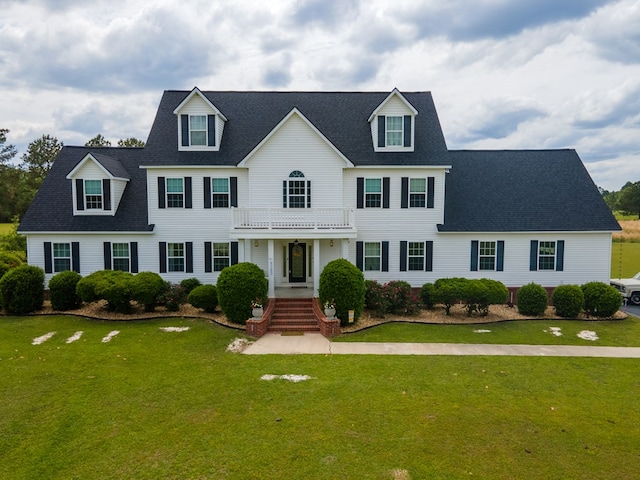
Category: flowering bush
[256,303]
[330,304]
[393,297]
[173,297]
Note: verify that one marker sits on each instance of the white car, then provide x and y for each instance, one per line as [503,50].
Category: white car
[628,287]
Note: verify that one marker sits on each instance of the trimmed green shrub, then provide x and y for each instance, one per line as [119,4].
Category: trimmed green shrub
[239,285]
[568,300]
[428,295]
[532,299]
[475,295]
[22,289]
[62,290]
[188,284]
[172,297]
[449,291]
[146,289]
[600,299]
[115,287]
[497,294]
[86,286]
[374,298]
[205,297]
[9,260]
[343,282]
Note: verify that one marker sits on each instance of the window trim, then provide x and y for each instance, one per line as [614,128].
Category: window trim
[422,256]
[421,195]
[115,257]
[372,195]
[490,253]
[55,257]
[176,257]
[180,195]
[93,198]
[377,257]
[296,180]
[193,130]
[223,197]
[215,257]
[547,257]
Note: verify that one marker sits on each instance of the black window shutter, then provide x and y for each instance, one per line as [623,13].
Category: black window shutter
[533,256]
[134,257]
[188,252]
[162,256]
[233,186]
[360,255]
[474,256]
[385,256]
[211,130]
[284,194]
[207,192]
[428,267]
[79,194]
[404,193]
[386,181]
[407,130]
[161,195]
[184,119]
[75,256]
[234,253]
[431,183]
[106,194]
[106,248]
[188,203]
[500,255]
[360,192]
[48,259]
[208,257]
[308,193]
[403,256]
[382,127]
[560,255]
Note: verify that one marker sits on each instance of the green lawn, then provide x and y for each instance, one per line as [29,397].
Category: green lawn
[151,404]
[533,332]
[625,259]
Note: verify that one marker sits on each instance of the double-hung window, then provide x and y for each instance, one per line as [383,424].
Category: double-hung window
[93,194]
[394,131]
[373,192]
[372,256]
[175,193]
[198,129]
[61,257]
[417,192]
[487,256]
[296,191]
[221,256]
[547,256]
[175,257]
[220,192]
[121,257]
[416,255]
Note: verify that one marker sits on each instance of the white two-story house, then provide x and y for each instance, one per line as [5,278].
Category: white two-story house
[292,180]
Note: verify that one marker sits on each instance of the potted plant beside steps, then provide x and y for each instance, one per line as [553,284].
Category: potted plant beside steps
[257,309]
[330,309]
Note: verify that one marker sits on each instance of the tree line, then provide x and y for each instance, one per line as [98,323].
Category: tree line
[627,200]
[20,182]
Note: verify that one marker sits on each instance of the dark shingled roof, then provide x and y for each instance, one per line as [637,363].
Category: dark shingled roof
[341,117]
[112,165]
[522,191]
[52,208]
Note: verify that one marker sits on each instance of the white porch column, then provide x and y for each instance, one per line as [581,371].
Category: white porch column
[316,266]
[271,268]
[243,255]
[344,244]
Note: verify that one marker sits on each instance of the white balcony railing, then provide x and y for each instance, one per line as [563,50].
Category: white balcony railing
[293,218]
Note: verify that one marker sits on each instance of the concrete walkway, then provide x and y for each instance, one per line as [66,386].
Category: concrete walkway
[314,343]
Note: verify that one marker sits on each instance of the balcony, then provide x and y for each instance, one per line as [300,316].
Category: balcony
[288,219]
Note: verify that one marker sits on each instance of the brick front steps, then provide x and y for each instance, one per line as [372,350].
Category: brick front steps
[293,315]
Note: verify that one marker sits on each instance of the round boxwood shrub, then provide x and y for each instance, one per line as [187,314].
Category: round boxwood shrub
[85,288]
[188,284]
[114,286]
[62,290]
[22,289]
[568,300]
[9,260]
[449,291]
[427,295]
[239,285]
[205,297]
[343,282]
[532,299]
[146,288]
[600,299]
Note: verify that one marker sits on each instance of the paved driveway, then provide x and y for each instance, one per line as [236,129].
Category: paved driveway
[632,310]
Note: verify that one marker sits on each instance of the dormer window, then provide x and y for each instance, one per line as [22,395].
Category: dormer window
[93,194]
[394,131]
[198,129]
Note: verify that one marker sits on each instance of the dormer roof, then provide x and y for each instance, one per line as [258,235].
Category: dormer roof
[196,92]
[395,92]
[111,167]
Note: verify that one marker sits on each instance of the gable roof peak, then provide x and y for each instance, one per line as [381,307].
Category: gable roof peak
[109,165]
[394,92]
[197,92]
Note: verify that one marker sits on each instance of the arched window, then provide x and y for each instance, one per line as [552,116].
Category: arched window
[296,191]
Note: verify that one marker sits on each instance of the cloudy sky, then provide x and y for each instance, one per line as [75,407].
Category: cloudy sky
[505,74]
